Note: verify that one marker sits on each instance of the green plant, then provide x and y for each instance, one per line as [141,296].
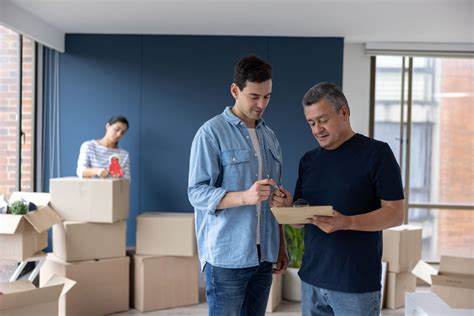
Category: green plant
[18,208]
[295,245]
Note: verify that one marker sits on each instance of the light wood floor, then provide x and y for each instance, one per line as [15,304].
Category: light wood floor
[284,309]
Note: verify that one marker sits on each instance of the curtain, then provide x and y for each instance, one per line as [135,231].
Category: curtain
[51,119]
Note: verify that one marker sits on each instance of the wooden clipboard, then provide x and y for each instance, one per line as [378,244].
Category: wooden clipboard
[298,215]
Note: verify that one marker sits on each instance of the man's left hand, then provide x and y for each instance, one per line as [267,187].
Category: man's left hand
[282,262]
[330,224]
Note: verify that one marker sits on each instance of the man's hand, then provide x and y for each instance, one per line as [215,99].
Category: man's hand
[282,262]
[258,192]
[330,224]
[281,197]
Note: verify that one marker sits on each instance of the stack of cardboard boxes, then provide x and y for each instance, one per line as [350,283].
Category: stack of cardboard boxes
[401,251]
[22,237]
[89,246]
[165,267]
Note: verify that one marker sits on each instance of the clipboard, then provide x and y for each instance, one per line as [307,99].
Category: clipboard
[298,215]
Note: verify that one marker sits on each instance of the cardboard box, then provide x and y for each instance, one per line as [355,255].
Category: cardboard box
[397,285]
[426,303]
[453,283]
[21,236]
[401,247]
[102,285]
[76,241]
[298,215]
[22,298]
[90,200]
[166,234]
[275,293]
[164,282]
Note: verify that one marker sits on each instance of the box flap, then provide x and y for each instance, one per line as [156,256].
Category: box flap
[43,218]
[59,280]
[18,286]
[9,223]
[30,297]
[38,198]
[456,265]
[424,271]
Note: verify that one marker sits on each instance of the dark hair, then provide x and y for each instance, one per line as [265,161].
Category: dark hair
[118,118]
[328,91]
[252,69]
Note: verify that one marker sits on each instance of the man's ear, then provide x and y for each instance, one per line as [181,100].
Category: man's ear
[345,111]
[234,90]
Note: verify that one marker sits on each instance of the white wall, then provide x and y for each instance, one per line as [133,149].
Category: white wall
[356,85]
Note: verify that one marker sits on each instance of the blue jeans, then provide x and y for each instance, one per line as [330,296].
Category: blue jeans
[321,302]
[233,292]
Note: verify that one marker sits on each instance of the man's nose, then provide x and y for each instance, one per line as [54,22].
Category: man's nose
[317,128]
[261,103]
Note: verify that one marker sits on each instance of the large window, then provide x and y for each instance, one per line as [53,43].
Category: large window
[17,69]
[424,108]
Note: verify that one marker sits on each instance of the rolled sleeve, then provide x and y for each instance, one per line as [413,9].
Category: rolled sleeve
[204,171]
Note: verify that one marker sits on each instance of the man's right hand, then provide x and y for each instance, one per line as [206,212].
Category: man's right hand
[258,192]
[281,197]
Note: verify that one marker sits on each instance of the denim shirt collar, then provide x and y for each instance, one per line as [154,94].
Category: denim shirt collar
[233,119]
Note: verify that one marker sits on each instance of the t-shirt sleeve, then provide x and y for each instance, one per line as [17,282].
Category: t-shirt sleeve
[298,192]
[386,175]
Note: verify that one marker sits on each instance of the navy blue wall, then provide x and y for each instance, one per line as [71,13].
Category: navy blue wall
[167,86]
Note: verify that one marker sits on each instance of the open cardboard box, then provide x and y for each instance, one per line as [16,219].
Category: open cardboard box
[23,298]
[21,236]
[453,283]
[298,215]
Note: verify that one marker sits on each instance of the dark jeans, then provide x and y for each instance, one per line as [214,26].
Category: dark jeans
[233,292]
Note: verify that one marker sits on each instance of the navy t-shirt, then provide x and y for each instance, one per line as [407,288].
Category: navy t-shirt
[353,179]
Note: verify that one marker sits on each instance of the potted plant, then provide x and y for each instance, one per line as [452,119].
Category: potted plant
[18,208]
[291,280]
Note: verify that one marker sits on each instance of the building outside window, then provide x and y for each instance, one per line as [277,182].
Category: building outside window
[439,142]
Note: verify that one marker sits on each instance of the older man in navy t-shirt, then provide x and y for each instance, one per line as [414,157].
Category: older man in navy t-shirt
[360,178]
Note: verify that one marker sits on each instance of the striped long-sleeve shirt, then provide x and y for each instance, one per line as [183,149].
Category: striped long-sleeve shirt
[93,155]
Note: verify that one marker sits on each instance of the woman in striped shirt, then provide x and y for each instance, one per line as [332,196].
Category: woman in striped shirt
[95,155]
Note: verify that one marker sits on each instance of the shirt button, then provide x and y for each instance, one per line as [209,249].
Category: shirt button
[255,154]
[247,136]
[233,159]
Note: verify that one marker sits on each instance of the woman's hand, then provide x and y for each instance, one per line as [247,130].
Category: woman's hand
[102,172]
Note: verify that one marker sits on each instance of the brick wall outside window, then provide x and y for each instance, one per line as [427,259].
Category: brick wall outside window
[456,228]
[8,111]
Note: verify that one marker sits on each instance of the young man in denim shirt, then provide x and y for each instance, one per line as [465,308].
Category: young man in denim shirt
[235,162]
[360,178]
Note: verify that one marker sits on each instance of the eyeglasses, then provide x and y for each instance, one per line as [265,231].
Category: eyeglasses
[300,203]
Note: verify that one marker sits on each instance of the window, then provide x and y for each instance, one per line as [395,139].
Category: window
[16,118]
[424,109]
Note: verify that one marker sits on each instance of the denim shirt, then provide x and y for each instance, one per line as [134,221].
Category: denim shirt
[223,160]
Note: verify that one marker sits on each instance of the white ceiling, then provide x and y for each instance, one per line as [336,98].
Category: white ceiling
[448,21]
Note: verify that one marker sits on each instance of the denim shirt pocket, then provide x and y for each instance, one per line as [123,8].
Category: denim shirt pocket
[275,163]
[236,168]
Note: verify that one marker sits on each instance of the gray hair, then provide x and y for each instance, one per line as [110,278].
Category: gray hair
[328,91]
